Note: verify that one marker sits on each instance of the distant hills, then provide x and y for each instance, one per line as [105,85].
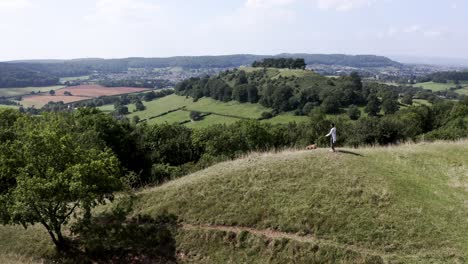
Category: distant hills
[223,61]
[41,72]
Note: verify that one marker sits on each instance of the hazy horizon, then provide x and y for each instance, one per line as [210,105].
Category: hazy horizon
[52,29]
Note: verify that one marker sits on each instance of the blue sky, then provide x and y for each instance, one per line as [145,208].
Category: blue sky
[33,29]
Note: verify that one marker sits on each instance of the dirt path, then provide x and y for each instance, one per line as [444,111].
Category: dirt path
[273,234]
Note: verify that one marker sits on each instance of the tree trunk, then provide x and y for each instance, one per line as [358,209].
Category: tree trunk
[57,237]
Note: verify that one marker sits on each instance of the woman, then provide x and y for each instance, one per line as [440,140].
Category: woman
[333,137]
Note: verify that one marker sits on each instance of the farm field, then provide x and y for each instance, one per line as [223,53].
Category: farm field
[11,92]
[79,93]
[232,109]
[77,78]
[8,106]
[171,102]
[435,87]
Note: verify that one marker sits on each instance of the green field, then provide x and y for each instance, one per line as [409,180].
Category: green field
[77,78]
[9,106]
[435,87]
[206,105]
[286,118]
[172,102]
[10,92]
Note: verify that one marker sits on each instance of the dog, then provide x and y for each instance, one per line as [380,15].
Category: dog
[311,147]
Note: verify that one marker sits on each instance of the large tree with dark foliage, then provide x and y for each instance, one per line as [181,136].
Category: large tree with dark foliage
[288,63]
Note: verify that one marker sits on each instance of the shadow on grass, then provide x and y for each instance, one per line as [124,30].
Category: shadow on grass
[350,153]
[117,237]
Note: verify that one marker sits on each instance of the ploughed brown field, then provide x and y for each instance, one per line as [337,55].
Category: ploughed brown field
[79,93]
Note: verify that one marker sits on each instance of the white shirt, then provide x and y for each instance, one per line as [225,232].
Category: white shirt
[332,134]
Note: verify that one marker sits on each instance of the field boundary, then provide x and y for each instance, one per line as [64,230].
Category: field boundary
[218,114]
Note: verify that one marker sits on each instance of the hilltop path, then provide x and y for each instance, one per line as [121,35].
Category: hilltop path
[274,234]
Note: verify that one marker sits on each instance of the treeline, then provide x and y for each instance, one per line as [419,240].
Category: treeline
[155,153]
[444,77]
[141,83]
[14,76]
[280,63]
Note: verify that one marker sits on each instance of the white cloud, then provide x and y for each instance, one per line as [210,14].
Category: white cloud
[339,5]
[121,11]
[412,29]
[267,3]
[342,5]
[14,4]
[432,33]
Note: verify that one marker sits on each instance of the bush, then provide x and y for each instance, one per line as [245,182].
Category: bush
[266,115]
[354,113]
[195,116]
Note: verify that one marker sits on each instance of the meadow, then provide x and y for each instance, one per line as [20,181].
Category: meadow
[399,204]
[12,92]
[435,87]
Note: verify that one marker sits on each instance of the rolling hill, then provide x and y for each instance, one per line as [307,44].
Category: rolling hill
[65,68]
[404,204]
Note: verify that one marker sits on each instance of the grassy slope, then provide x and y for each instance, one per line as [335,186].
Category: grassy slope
[443,86]
[9,106]
[246,110]
[403,204]
[9,92]
[407,202]
[170,102]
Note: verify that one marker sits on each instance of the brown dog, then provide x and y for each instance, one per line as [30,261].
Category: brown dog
[311,147]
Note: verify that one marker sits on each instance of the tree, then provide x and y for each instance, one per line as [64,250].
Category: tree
[373,105]
[331,105]
[407,99]
[52,170]
[354,113]
[121,110]
[390,103]
[140,106]
[252,93]
[240,93]
[136,119]
[195,116]
[52,92]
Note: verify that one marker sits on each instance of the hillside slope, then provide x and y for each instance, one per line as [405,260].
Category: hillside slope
[405,203]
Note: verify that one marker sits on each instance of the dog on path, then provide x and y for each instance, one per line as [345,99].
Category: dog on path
[311,147]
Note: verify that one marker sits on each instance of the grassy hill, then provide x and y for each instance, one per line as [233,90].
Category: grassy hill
[405,204]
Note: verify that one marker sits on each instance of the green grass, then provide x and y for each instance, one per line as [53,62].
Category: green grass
[10,92]
[18,245]
[408,202]
[174,117]
[77,78]
[212,120]
[286,118]
[404,204]
[9,106]
[171,102]
[435,87]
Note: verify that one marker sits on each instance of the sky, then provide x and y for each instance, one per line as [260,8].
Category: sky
[64,29]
